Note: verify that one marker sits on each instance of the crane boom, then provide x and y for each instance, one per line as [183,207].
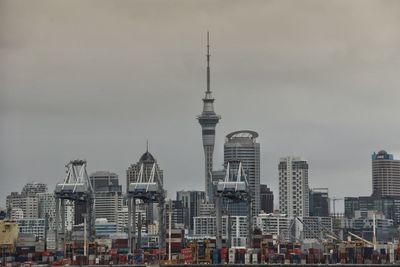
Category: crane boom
[362,239]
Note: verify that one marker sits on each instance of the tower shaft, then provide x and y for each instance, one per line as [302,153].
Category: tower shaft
[208,120]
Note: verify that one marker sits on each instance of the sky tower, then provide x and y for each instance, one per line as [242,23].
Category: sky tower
[208,120]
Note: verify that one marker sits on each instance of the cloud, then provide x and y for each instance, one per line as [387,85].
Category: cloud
[97,79]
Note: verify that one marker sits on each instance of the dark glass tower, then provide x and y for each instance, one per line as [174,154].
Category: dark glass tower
[208,120]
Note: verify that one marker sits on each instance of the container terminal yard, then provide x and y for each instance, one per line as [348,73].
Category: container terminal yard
[27,251]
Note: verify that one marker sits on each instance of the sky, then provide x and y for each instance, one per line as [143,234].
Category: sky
[95,79]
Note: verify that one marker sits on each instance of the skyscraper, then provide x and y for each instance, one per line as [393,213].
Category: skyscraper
[144,168]
[108,195]
[293,187]
[208,120]
[319,202]
[241,146]
[385,175]
[266,199]
[192,201]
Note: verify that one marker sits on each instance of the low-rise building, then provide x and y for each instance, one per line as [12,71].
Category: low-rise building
[35,227]
[274,224]
[9,235]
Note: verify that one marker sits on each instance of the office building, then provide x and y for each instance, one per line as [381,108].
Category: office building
[266,199]
[208,120]
[105,181]
[16,213]
[33,188]
[105,228]
[274,224]
[241,146]
[108,195]
[191,200]
[389,206]
[205,227]
[178,214]
[140,219]
[47,209]
[319,202]
[32,226]
[144,168]
[362,225]
[27,202]
[385,175]
[293,187]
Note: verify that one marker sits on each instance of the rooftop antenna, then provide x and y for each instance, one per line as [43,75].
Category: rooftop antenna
[208,61]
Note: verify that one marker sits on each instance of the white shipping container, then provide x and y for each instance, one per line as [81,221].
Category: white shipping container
[247,258]
[232,256]
[255,258]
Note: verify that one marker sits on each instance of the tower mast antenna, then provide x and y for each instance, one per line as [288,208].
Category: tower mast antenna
[208,61]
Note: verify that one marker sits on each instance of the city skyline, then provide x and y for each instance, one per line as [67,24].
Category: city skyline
[307,85]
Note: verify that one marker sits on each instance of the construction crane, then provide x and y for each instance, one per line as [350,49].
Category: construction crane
[362,239]
[76,187]
[235,188]
[150,190]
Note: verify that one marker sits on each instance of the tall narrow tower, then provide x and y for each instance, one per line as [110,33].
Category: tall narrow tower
[208,120]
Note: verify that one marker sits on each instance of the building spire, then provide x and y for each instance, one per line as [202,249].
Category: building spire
[208,62]
[147,145]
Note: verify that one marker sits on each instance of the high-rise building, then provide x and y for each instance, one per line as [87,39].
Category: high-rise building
[208,120]
[385,174]
[293,187]
[122,219]
[32,226]
[266,199]
[34,188]
[389,206]
[274,224]
[319,202]
[191,200]
[241,146]
[105,181]
[47,209]
[27,202]
[108,195]
[178,214]
[144,168]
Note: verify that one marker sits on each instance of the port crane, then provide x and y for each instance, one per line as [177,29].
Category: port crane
[76,187]
[234,187]
[149,190]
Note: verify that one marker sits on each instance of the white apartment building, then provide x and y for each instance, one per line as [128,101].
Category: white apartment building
[274,224]
[293,187]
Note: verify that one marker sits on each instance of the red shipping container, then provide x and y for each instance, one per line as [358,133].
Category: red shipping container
[224,254]
[122,259]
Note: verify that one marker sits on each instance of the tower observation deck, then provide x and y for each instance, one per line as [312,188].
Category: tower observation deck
[208,120]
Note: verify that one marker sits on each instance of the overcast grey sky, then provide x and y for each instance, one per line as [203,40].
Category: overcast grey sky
[96,79]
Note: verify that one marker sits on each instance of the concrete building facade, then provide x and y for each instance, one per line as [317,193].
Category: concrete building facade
[108,195]
[385,174]
[191,200]
[266,199]
[319,202]
[293,187]
[241,146]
